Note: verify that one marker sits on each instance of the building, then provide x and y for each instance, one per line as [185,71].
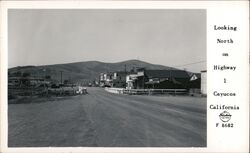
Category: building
[195,81]
[134,80]
[101,80]
[158,79]
[204,82]
[106,79]
[141,78]
[119,79]
[166,79]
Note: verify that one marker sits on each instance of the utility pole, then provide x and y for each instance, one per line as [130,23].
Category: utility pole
[46,90]
[61,76]
[170,74]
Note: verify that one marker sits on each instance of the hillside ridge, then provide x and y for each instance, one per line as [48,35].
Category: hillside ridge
[83,71]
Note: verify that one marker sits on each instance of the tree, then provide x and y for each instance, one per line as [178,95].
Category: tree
[65,81]
[47,77]
[26,74]
[17,74]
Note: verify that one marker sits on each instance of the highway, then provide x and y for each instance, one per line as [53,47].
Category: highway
[102,119]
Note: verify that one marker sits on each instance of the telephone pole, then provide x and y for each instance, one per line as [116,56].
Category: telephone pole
[61,76]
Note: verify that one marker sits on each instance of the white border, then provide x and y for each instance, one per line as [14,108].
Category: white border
[235,12]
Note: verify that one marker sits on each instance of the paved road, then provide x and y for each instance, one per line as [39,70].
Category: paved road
[108,120]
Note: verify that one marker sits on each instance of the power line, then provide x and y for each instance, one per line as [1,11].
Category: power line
[190,63]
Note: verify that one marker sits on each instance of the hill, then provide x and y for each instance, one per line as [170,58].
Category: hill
[83,71]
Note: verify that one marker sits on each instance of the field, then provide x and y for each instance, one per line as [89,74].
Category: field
[102,119]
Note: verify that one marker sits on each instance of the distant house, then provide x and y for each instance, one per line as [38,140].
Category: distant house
[106,79]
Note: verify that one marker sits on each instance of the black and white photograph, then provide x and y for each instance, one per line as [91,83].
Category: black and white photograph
[107,78]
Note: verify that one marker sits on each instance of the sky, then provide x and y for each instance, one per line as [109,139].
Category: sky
[167,37]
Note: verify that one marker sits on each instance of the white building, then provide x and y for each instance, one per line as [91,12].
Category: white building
[131,79]
[204,82]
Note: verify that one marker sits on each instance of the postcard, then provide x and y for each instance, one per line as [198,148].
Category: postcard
[124,76]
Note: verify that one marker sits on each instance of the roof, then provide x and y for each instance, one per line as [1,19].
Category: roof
[198,75]
[121,73]
[166,74]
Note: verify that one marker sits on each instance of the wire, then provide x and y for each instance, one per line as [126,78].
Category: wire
[190,63]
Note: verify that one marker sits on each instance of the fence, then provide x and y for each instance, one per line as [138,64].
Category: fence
[146,91]
[32,91]
[115,90]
